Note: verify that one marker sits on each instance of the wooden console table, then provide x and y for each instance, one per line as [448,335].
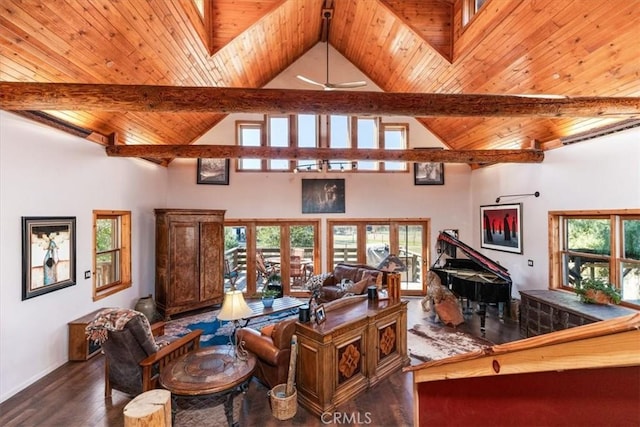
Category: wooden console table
[543,311]
[279,304]
[79,347]
[359,345]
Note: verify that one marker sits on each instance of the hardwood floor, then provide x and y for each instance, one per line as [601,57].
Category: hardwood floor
[73,395]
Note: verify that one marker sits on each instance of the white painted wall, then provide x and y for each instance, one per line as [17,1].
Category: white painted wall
[368,195]
[45,172]
[602,173]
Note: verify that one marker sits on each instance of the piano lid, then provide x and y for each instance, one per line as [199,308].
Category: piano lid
[472,254]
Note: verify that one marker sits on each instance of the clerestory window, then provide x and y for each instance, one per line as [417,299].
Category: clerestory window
[470,8]
[339,132]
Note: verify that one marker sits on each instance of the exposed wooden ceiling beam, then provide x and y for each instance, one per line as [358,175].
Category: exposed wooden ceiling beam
[101,97]
[234,152]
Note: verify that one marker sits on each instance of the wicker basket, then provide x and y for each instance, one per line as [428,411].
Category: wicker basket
[283,408]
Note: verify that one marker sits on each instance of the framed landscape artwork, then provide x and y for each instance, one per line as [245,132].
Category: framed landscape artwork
[502,227]
[213,171]
[48,254]
[323,196]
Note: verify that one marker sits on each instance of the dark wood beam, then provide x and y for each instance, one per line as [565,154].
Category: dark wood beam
[121,98]
[235,152]
[55,122]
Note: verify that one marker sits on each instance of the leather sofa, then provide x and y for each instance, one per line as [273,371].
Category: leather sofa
[361,275]
[272,349]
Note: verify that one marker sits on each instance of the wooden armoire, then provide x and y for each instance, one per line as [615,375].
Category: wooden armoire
[189,259]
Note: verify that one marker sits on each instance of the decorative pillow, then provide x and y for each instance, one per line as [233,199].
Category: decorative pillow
[268,330]
[330,280]
[316,281]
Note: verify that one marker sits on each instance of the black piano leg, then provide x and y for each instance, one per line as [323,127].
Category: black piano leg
[468,309]
[482,311]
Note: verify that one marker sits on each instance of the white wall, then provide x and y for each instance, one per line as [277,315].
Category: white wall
[368,195]
[603,173]
[45,172]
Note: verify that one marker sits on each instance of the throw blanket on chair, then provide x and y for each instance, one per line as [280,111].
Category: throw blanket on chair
[114,319]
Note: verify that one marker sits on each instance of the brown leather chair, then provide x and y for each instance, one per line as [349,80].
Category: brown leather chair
[273,351]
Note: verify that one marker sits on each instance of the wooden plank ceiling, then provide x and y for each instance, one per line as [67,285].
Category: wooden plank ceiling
[571,48]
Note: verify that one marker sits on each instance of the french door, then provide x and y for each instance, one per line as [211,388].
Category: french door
[371,241]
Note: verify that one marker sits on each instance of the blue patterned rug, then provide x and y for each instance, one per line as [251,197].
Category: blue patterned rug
[217,332]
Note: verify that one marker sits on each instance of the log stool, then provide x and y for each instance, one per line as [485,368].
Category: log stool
[149,409]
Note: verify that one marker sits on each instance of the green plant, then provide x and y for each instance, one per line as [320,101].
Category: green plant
[268,293]
[274,277]
[588,287]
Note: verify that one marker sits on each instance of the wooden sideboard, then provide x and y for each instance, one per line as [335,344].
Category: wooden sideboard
[361,343]
[543,311]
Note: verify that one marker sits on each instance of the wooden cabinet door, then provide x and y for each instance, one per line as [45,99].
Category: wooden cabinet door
[211,262]
[185,266]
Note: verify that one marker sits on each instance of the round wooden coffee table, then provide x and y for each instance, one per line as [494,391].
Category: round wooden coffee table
[206,378]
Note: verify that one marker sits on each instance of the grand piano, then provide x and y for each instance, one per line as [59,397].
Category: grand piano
[474,278]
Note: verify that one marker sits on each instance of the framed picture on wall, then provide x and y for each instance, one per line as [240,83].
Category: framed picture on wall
[323,196]
[428,173]
[48,254]
[213,171]
[501,227]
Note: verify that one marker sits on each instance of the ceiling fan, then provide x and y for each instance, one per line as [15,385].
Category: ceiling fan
[326,16]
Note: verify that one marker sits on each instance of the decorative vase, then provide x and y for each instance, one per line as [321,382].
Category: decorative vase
[147,306]
[267,301]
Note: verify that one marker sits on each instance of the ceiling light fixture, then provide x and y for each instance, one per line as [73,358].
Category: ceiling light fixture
[328,164]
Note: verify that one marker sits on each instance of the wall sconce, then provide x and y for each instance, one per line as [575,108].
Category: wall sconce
[536,194]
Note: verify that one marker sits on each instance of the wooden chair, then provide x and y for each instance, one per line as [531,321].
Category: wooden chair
[308,267]
[264,269]
[133,359]
[297,273]
[230,274]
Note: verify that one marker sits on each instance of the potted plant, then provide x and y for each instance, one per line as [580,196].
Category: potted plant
[597,291]
[267,296]
[274,278]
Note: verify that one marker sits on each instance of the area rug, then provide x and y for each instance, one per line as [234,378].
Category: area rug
[428,342]
[217,332]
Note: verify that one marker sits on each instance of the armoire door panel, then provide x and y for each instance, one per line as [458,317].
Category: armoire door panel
[185,271]
[211,238]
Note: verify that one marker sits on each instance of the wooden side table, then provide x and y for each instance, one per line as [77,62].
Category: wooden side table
[79,347]
[209,378]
